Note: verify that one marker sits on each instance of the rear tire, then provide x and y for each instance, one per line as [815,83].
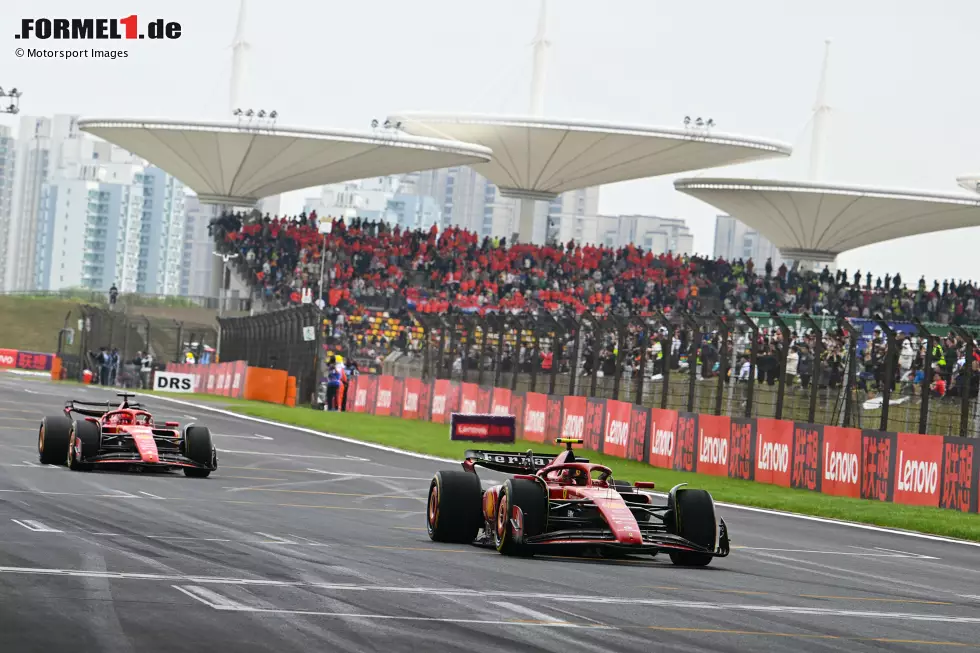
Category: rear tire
[87,434]
[454,512]
[199,447]
[52,440]
[694,514]
[532,499]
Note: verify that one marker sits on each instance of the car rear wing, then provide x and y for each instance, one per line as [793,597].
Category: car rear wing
[93,408]
[511,462]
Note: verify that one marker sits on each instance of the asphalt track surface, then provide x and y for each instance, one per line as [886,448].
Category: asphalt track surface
[303,543]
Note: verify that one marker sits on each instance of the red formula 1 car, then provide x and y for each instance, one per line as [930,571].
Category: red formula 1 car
[565,504]
[124,435]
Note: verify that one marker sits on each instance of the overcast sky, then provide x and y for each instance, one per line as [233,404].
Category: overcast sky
[905,103]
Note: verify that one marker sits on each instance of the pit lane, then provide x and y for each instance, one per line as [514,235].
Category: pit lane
[301,543]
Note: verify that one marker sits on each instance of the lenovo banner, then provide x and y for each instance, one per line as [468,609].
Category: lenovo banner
[841,457]
[774,451]
[383,405]
[686,443]
[805,466]
[958,486]
[496,429]
[8,358]
[535,416]
[359,388]
[500,403]
[573,418]
[877,460]
[917,470]
[440,401]
[470,393]
[663,428]
[741,448]
[713,432]
[616,431]
[410,399]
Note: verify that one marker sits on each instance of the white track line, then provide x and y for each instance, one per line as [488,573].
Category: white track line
[883,553]
[209,598]
[35,526]
[269,454]
[384,476]
[255,436]
[152,496]
[528,612]
[412,454]
[275,538]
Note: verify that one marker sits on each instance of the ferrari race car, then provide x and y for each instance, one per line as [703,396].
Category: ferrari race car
[563,504]
[123,435]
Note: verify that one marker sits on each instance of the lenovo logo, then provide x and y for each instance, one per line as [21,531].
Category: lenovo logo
[501,409]
[917,475]
[7,360]
[714,451]
[617,433]
[840,466]
[535,421]
[361,398]
[439,405]
[773,456]
[574,426]
[469,406]
[411,401]
[384,399]
[663,443]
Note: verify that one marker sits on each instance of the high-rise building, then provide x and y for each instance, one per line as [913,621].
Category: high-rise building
[198,260]
[649,232]
[7,155]
[736,240]
[162,234]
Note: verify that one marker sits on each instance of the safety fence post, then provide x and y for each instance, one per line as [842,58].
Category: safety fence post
[753,360]
[817,366]
[783,354]
[888,376]
[930,340]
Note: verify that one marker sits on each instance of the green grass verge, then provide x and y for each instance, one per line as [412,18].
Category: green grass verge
[33,325]
[433,439]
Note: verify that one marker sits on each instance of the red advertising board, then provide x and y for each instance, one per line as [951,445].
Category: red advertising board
[425,401]
[741,448]
[535,416]
[841,462]
[360,394]
[440,401]
[470,396]
[713,434]
[918,469]
[517,410]
[397,397]
[483,400]
[774,451]
[500,403]
[372,394]
[663,428]
[595,411]
[8,358]
[553,426]
[383,404]
[639,429]
[410,399]
[573,418]
[805,465]
[959,480]
[32,360]
[686,442]
[877,460]
[616,430]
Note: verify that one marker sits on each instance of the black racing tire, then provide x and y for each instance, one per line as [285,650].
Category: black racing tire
[454,510]
[89,435]
[694,515]
[199,447]
[52,440]
[532,499]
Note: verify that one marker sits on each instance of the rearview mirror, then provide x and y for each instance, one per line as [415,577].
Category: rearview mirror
[647,485]
[171,425]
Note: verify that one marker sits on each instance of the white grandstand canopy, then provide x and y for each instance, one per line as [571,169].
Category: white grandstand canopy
[969,182]
[237,164]
[540,158]
[815,222]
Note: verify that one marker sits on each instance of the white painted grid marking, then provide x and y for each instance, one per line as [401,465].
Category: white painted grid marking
[35,526]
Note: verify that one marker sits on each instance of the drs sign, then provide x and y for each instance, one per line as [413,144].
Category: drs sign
[173,382]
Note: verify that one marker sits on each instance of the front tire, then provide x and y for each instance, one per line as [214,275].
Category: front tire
[88,437]
[454,511]
[199,447]
[694,514]
[52,440]
[532,499]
